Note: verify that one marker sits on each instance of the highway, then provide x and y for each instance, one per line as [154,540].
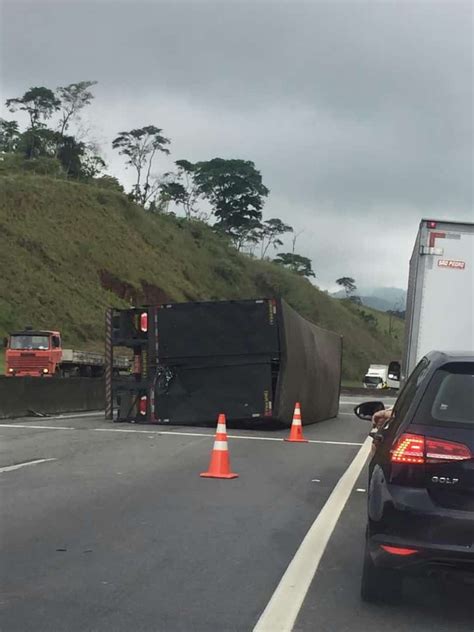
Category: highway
[109,527]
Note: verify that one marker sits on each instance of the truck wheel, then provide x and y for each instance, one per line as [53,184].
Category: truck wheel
[379,584]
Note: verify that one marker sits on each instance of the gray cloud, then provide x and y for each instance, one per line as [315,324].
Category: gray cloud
[359,114]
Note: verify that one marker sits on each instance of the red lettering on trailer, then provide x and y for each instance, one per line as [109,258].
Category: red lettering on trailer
[450,263]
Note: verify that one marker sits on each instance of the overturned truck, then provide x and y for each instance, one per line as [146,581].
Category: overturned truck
[250,359]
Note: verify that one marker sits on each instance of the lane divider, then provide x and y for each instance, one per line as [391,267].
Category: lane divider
[10,468]
[172,432]
[284,606]
[36,427]
[207,434]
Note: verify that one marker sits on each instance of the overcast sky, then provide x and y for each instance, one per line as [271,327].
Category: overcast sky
[358,114]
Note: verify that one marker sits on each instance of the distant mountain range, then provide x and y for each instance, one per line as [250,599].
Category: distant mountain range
[381,298]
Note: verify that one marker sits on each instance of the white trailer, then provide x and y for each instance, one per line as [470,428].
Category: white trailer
[440,301]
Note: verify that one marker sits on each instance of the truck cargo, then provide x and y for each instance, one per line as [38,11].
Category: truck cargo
[440,299]
[39,353]
[251,360]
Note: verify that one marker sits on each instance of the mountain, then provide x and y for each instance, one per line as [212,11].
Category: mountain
[68,250]
[381,298]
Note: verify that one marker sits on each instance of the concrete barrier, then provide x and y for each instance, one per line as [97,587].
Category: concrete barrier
[369,393]
[24,396]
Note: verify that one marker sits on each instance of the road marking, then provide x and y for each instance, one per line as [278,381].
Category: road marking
[10,468]
[96,413]
[37,427]
[285,603]
[177,433]
[211,435]
[172,432]
[360,489]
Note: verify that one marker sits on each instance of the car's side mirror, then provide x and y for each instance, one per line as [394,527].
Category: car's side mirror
[5,342]
[367,409]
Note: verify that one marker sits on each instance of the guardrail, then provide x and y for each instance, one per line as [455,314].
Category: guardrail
[369,393]
[23,396]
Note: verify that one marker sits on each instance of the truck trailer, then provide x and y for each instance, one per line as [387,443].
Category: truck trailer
[39,353]
[251,359]
[440,301]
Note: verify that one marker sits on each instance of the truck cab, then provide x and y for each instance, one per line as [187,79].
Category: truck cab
[376,376]
[33,353]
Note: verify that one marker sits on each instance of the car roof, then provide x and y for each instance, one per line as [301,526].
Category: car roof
[443,357]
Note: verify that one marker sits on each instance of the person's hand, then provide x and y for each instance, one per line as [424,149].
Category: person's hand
[382,416]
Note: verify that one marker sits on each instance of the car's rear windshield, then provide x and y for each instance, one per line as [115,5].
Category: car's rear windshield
[449,398]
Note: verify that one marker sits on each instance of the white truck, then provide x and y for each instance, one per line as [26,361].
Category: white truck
[440,301]
[376,376]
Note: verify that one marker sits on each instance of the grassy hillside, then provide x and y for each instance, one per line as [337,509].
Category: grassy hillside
[68,250]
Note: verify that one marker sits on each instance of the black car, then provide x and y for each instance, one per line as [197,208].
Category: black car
[421,478]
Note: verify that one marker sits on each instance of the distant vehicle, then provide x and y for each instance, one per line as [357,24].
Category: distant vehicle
[394,371]
[376,376]
[421,478]
[31,353]
[440,299]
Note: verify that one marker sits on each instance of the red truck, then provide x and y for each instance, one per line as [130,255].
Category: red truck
[38,353]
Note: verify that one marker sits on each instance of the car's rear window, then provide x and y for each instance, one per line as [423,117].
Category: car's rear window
[450,396]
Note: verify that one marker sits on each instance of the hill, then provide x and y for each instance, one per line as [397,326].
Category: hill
[381,298]
[68,250]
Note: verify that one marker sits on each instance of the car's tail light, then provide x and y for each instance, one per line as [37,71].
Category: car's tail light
[441,450]
[416,449]
[410,448]
[398,550]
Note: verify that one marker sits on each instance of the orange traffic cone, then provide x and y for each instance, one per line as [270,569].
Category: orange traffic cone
[296,432]
[219,467]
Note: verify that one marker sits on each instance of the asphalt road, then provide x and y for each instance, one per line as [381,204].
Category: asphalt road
[118,532]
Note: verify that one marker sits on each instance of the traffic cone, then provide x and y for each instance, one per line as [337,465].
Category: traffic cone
[219,467]
[296,432]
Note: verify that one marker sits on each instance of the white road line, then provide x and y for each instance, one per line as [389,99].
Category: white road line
[96,413]
[285,603]
[9,468]
[211,435]
[36,427]
[172,432]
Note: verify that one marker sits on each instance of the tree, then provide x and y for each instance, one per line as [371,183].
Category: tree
[9,136]
[181,188]
[271,231]
[348,284]
[140,147]
[37,143]
[297,263]
[40,104]
[108,182]
[72,99]
[236,193]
